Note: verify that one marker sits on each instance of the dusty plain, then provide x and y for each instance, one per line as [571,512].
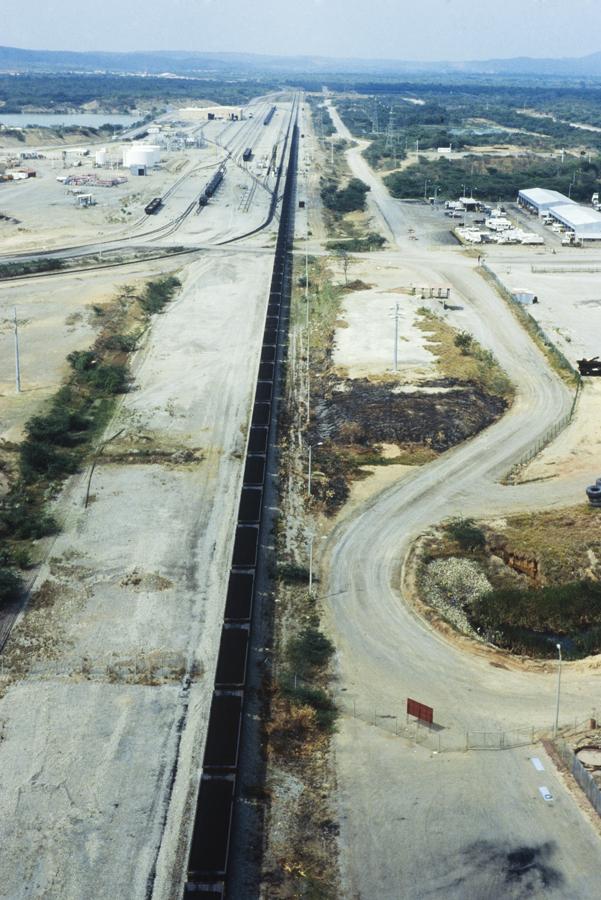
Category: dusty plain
[130,598]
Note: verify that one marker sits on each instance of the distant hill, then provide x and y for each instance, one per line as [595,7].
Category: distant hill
[183,63]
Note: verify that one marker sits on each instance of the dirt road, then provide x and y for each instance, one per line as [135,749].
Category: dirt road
[414,823]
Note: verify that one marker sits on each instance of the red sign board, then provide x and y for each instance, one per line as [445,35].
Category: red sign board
[420,711]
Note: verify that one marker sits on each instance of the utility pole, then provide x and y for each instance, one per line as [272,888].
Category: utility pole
[310,467]
[17,360]
[311,538]
[397,309]
[374,117]
[558,692]
[390,132]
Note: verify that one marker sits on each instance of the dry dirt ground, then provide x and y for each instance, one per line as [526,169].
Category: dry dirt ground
[130,598]
[55,317]
[569,311]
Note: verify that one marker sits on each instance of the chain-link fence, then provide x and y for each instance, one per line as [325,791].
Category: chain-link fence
[437,737]
[582,775]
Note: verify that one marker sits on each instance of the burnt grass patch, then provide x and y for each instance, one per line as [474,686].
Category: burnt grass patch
[374,413]
[350,418]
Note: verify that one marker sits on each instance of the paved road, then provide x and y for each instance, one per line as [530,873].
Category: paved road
[414,824]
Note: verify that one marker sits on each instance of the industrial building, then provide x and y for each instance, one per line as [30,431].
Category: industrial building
[581,221]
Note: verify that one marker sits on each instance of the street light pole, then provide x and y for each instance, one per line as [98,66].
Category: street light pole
[17,359]
[396,336]
[558,692]
[310,469]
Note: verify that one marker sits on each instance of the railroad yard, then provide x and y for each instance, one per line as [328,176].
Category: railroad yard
[221,619]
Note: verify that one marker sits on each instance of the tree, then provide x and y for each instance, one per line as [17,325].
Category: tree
[346,260]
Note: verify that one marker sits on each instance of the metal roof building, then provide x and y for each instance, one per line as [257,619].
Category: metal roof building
[540,199]
[583,222]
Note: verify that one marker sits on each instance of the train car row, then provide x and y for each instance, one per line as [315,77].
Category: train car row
[154,206]
[269,115]
[211,186]
[208,860]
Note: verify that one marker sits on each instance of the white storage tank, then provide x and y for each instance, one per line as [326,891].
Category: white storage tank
[141,155]
[101,157]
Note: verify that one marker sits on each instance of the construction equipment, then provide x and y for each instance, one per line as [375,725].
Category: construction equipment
[589,366]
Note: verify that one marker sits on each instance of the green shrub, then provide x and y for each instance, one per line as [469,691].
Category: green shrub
[344,200]
[309,652]
[371,241]
[291,572]
[108,378]
[21,517]
[322,703]
[466,533]
[464,341]
[37,458]
[10,586]
[82,361]
[559,609]
[124,343]
[60,426]
[158,293]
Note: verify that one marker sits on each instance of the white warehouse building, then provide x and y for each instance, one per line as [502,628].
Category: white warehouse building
[583,222]
[141,155]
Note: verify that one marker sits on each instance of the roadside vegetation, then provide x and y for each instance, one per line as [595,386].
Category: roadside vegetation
[30,267]
[58,441]
[524,584]
[460,357]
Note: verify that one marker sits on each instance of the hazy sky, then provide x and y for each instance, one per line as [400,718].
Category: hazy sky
[394,29]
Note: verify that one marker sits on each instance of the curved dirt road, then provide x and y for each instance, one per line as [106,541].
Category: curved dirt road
[416,824]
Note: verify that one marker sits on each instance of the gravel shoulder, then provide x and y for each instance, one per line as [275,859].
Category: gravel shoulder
[130,598]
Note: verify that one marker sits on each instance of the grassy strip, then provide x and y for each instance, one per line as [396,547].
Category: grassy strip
[370,241]
[58,441]
[30,267]
[462,358]
[555,357]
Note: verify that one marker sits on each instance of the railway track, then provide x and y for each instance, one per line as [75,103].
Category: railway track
[243,139]
[171,227]
[209,856]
